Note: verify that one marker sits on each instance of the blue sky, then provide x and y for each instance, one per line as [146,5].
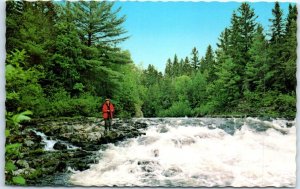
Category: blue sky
[158,30]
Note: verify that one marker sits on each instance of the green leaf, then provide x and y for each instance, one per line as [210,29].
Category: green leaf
[10,166]
[27,112]
[19,180]
[7,132]
[21,117]
[12,148]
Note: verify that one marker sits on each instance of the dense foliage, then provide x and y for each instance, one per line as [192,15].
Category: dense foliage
[250,73]
[64,59]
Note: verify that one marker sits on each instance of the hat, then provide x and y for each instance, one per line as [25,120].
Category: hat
[107,99]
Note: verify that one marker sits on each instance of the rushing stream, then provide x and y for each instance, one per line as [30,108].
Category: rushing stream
[49,144]
[200,152]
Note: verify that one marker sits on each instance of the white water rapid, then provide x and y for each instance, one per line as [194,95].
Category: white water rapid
[49,144]
[195,152]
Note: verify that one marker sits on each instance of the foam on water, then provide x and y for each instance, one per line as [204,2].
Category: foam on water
[177,154]
[49,144]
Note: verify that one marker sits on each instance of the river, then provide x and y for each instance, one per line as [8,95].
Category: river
[195,152]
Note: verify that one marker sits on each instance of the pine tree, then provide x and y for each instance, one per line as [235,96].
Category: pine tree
[195,63]
[169,68]
[223,44]
[242,30]
[276,49]
[257,73]
[98,23]
[175,66]
[289,52]
[181,70]
[277,26]
[186,66]
[292,16]
[247,23]
[222,52]
[208,62]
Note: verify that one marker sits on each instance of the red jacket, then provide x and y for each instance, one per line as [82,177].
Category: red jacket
[107,110]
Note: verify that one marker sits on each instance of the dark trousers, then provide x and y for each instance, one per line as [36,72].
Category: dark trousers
[107,124]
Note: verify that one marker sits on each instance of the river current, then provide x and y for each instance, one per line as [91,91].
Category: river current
[195,152]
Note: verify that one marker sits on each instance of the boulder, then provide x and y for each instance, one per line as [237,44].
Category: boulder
[60,146]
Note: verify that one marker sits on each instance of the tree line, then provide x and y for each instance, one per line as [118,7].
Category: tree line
[251,72]
[64,59]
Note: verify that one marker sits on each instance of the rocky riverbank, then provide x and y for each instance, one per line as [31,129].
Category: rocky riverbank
[52,148]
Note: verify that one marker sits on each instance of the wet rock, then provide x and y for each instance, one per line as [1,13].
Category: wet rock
[85,133]
[60,146]
[172,172]
[61,166]
[156,152]
[289,124]
[148,165]
[140,125]
[34,137]
[187,141]
[230,126]
[163,129]
[146,140]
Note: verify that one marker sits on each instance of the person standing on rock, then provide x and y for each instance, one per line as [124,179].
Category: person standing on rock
[107,112]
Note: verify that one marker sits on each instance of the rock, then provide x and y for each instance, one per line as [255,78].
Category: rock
[163,129]
[24,172]
[156,152]
[289,124]
[148,165]
[60,146]
[61,166]
[172,172]
[34,137]
[23,163]
[29,143]
[140,125]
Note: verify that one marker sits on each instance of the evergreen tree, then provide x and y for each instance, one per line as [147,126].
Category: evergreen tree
[195,62]
[181,67]
[209,63]
[186,66]
[276,49]
[291,17]
[169,68]
[289,53]
[256,72]
[176,66]
[246,17]
[151,76]
[242,30]
[223,44]
[202,66]
[277,26]
[98,23]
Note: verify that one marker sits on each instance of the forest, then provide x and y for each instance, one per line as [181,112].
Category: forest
[64,59]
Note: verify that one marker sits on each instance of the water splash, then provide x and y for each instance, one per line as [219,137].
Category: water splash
[49,143]
[192,153]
